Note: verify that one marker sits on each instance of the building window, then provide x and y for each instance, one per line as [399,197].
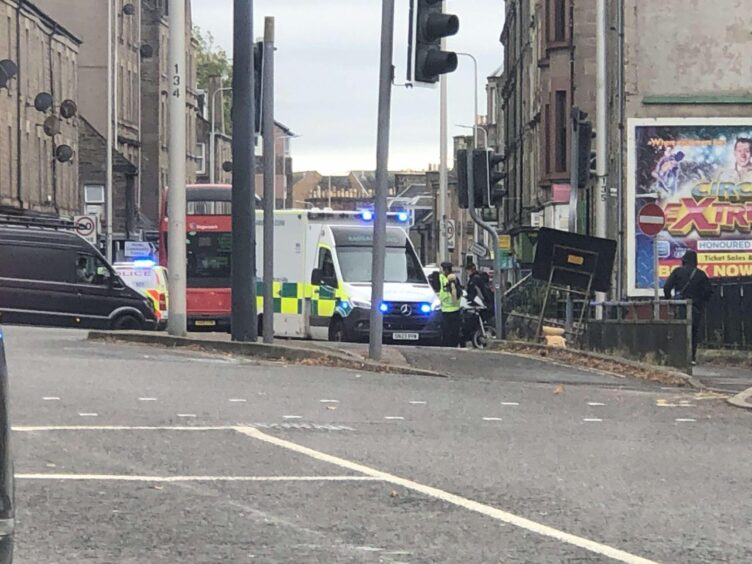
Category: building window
[560,131]
[557,20]
[93,194]
[200,158]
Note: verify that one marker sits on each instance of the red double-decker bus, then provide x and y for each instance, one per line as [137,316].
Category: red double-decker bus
[209,241]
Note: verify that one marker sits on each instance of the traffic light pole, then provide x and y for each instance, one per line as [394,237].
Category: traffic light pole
[267,115]
[574,179]
[498,303]
[376,331]
[243,260]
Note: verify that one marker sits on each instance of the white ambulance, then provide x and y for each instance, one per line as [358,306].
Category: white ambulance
[322,278]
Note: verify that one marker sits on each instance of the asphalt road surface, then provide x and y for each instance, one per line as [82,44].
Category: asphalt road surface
[137,454]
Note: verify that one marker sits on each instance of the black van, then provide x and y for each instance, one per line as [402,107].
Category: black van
[54,277]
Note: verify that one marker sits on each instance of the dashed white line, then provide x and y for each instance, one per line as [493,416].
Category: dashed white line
[88,415]
[465,503]
[592,420]
[595,404]
[328,401]
[492,419]
[185,415]
[418,402]
[510,403]
[685,420]
[50,398]
[393,418]
[237,400]
[292,417]
[147,399]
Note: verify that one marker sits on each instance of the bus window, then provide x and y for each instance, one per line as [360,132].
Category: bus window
[209,260]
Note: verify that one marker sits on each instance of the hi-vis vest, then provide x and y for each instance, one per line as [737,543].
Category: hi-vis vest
[449,303]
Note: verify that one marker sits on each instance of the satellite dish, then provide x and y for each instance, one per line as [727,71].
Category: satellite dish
[63,153]
[129,9]
[43,101]
[68,109]
[227,166]
[52,126]
[8,70]
[147,51]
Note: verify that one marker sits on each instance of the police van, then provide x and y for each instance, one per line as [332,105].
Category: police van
[322,278]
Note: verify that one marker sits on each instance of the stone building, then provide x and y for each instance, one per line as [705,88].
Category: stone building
[47,57]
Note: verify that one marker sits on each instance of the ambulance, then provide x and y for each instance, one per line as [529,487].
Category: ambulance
[322,278]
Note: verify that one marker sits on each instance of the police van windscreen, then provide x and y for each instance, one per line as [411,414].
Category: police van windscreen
[401,265]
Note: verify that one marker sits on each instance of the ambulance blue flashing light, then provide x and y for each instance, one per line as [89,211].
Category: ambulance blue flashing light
[403,217]
[425,308]
[384,307]
[366,215]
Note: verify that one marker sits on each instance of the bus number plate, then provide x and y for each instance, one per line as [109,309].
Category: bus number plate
[205,323]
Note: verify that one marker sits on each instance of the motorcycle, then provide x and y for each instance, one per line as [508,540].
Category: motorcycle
[477,326]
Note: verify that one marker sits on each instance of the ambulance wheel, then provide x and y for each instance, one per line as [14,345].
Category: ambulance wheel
[126,323]
[337,332]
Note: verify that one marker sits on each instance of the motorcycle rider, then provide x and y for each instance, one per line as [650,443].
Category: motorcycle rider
[477,285]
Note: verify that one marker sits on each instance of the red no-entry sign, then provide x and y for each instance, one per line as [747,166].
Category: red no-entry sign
[651,219]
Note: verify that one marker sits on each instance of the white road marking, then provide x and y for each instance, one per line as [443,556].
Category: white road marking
[369,548]
[595,404]
[492,419]
[147,399]
[237,400]
[418,402]
[592,420]
[50,398]
[328,401]
[510,403]
[38,428]
[126,478]
[88,414]
[469,504]
[292,417]
[687,420]
[394,418]
[186,415]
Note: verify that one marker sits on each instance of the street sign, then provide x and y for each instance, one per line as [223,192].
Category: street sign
[478,250]
[135,249]
[505,243]
[86,226]
[451,234]
[651,219]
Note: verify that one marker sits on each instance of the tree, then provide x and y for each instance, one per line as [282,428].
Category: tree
[212,61]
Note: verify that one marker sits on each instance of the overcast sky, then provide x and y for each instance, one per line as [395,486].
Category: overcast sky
[327,77]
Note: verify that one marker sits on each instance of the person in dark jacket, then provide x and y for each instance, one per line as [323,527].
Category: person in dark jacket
[477,285]
[688,282]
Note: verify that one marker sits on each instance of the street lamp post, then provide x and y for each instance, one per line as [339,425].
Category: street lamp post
[212,135]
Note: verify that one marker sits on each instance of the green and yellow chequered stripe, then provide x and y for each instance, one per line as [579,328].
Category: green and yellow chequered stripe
[289,298]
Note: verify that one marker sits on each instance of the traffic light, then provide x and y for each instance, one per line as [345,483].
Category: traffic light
[460,165]
[486,178]
[583,130]
[431,25]
[258,83]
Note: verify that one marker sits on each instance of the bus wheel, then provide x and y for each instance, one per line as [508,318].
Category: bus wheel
[126,323]
[337,331]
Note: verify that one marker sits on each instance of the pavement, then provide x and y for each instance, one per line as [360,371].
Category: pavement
[132,453]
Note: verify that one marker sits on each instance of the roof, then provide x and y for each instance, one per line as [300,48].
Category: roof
[56,27]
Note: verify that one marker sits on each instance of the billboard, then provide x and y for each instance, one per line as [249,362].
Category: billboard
[699,171]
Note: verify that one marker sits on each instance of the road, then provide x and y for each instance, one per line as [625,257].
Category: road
[136,454]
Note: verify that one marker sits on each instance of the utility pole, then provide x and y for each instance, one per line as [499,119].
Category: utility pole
[213,135]
[443,171]
[108,157]
[382,163]
[243,280]
[267,115]
[574,180]
[601,163]
[176,207]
